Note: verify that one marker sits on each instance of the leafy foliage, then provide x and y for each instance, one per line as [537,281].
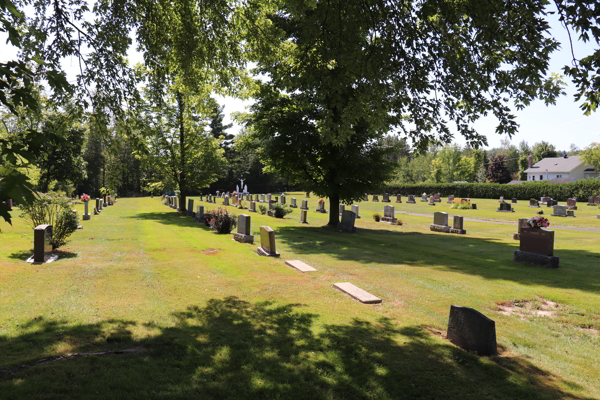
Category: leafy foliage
[497,171]
[65,225]
[279,211]
[222,221]
[591,155]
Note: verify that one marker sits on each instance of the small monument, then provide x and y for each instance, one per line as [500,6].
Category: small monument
[514,200]
[375,198]
[303,216]
[226,201]
[457,225]
[252,206]
[559,211]
[389,214]
[572,203]
[505,207]
[86,214]
[304,205]
[243,230]
[545,200]
[440,222]
[42,248]
[398,198]
[424,198]
[342,208]
[356,210]
[293,205]
[267,242]
[199,214]
[282,199]
[366,197]
[536,246]
[411,199]
[450,199]
[190,208]
[308,195]
[431,201]
[386,198]
[348,221]
[321,206]
[534,203]
[98,208]
[437,198]
[472,331]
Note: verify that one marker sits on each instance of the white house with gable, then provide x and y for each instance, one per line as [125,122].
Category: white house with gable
[560,168]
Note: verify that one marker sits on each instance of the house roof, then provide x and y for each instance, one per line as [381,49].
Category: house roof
[562,180]
[555,164]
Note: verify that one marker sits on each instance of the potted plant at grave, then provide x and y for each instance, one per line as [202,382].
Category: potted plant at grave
[85,197]
[538,222]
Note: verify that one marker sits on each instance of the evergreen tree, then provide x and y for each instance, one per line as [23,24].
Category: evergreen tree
[218,129]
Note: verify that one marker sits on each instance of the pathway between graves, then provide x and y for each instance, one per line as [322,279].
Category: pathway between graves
[568,228]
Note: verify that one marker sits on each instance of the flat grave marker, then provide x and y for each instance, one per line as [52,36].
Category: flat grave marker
[357,293]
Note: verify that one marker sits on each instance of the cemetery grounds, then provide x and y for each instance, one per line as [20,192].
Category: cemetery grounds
[147,303]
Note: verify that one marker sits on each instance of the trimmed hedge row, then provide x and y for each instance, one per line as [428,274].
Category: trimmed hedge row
[581,189]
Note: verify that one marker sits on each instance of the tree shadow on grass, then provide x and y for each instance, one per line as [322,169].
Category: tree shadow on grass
[232,349]
[462,253]
[171,218]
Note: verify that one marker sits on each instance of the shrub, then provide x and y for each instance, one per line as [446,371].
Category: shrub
[66,223]
[377,217]
[262,209]
[222,221]
[399,222]
[461,206]
[280,211]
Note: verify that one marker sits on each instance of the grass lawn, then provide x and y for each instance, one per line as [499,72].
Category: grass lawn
[203,316]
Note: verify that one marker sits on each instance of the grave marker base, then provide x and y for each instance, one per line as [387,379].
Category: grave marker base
[262,252]
[439,228]
[240,237]
[388,220]
[499,210]
[536,259]
[48,258]
[412,202]
[294,206]
[431,204]
[459,231]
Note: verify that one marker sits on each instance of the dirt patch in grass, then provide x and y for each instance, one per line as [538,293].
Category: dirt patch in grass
[537,307]
[209,252]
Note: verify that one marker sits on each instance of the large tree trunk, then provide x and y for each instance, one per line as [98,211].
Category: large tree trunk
[334,210]
[182,182]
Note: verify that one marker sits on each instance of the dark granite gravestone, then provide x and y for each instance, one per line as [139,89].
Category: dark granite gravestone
[42,248]
[536,247]
[534,203]
[457,225]
[411,199]
[98,205]
[366,197]
[356,210]
[472,331]
[304,205]
[505,207]
[267,242]
[544,200]
[199,214]
[389,214]
[440,222]
[514,200]
[105,204]
[321,207]
[386,198]
[375,198]
[342,208]
[398,198]
[347,223]
[572,203]
[190,209]
[473,206]
[243,230]
[593,200]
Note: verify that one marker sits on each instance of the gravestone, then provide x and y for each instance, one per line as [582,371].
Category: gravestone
[593,200]
[386,198]
[437,198]
[431,201]
[375,198]
[303,216]
[308,195]
[473,206]
[243,230]
[253,206]
[450,199]
[348,221]
[267,242]
[282,199]
[98,205]
[357,293]
[321,207]
[559,211]
[199,214]
[96,211]
[86,214]
[293,205]
[440,222]
[366,197]
[424,198]
[571,213]
[501,199]
[234,200]
[505,207]
[42,248]
[457,225]
[536,247]
[411,199]
[572,203]
[270,207]
[190,209]
[300,266]
[398,198]
[105,204]
[534,203]
[269,197]
[304,205]
[472,331]
[544,200]
[389,214]
[520,223]
[551,203]
[356,210]
[342,208]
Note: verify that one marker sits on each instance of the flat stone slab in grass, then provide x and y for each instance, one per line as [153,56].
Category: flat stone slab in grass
[300,266]
[357,293]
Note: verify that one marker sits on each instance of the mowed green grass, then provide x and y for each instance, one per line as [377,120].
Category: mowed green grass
[210,319]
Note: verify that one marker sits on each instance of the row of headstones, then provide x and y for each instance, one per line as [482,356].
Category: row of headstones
[440,223]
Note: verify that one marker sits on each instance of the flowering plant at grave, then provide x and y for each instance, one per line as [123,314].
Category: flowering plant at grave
[538,222]
[321,200]
[85,197]
[540,212]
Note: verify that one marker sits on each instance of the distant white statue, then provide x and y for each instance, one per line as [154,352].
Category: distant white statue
[245,189]
[237,189]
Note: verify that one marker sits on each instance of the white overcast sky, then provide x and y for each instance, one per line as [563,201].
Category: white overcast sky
[560,125]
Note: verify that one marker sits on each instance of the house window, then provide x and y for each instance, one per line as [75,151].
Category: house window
[541,177]
[559,176]
[533,177]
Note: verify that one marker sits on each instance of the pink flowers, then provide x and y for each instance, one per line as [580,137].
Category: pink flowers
[85,197]
[538,222]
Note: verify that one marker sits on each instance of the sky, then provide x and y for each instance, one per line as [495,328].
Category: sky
[562,124]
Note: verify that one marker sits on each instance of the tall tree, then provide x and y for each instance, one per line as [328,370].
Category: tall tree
[543,150]
[344,73]
[218,129]
[497,171]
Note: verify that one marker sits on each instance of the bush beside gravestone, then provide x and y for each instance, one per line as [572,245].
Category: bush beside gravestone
[581,189]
